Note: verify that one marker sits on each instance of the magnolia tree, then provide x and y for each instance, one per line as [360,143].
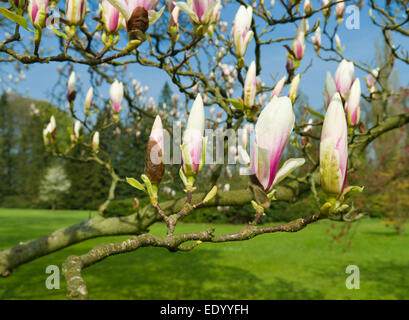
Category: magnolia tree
[54,185]
[216,65]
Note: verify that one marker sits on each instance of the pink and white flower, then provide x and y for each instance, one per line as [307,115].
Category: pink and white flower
[242,34]
[299,45]
[110,17]
[273,129]
[75,11]
[344,77]
[37,13]
[194,145]
[201,11]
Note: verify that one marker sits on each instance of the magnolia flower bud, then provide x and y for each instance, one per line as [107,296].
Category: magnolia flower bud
[250,87]
[242,34]
[316,39]
[352,108]
[135,204]
[76,132]
[117,93]
[75,11]
[299,45]
[371,80]
[329,90]
[344,76]
[326,12]
[154,157]
[338,42]
[71,92]
[339,11]
[292,93]
[334,148]
[193,148]
[307,7]
[95,142]
[278,88]
[37,12]
[110,17]
[273,129]
[88,100]
[49,133]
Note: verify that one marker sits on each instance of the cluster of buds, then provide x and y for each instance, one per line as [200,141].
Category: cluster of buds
[228,74]
[349,89]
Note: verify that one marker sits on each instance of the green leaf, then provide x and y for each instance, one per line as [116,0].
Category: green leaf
[59,33]
[236,103]
[210,195]
[20,20]
[315,113]
[135,183]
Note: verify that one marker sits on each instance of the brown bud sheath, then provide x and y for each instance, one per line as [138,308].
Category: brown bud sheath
[138,23]
[71,96]
[154,166]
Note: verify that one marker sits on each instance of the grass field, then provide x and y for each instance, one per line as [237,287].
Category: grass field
[276,266]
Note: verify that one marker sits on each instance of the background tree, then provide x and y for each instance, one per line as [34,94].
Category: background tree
[54,185]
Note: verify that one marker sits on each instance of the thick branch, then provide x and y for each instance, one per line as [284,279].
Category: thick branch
[72,268]
[134,224]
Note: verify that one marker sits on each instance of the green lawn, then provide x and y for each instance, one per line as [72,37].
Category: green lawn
[276,266]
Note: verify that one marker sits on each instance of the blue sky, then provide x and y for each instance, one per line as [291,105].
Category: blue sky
[359,46]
